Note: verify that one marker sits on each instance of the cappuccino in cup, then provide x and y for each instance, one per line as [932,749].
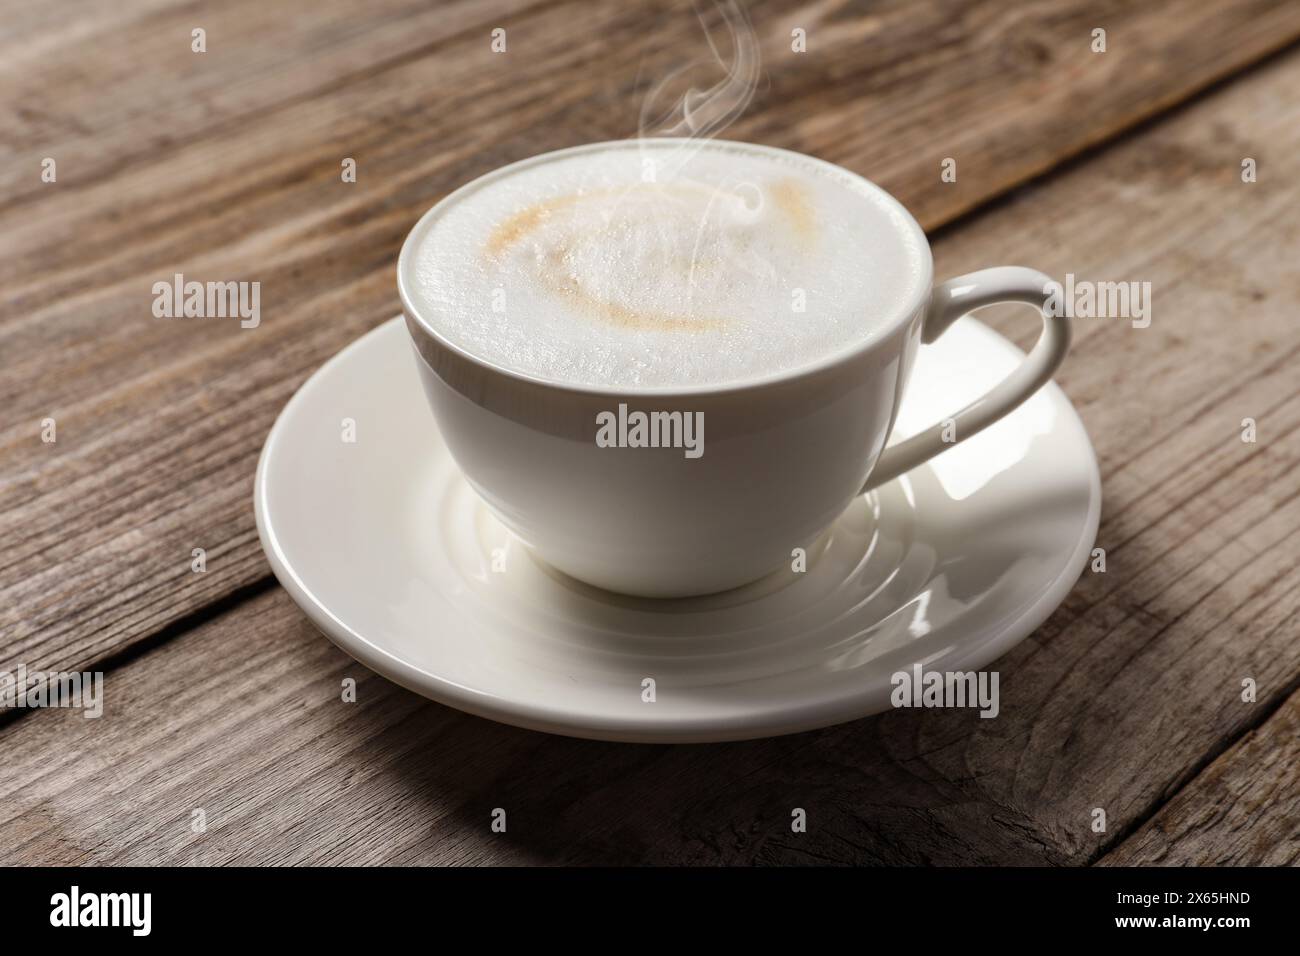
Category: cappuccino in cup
[644,264]
[774,300]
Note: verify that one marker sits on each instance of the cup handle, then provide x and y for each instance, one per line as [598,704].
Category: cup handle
[951,300]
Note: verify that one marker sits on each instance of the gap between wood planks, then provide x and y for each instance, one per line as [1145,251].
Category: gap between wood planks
[165,634]
[1289,693]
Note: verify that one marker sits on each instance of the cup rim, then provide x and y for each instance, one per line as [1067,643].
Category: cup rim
[880,332]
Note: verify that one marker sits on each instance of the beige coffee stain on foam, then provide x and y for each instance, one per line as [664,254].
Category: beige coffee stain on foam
[522,223]
[629,318]
[789,196]
[792,199]
[558,281]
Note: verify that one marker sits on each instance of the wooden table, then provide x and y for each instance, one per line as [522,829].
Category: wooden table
[220,696]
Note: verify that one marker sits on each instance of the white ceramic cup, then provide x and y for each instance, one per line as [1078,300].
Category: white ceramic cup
[784,454]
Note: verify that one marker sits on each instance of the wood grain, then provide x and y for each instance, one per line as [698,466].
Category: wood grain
[225,165]
[1241,810]
[286,772]
[1128,695]
[72,94]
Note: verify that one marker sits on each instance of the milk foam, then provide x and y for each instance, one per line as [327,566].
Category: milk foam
[658,264]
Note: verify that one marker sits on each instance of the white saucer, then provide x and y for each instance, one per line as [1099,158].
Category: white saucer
[391,554]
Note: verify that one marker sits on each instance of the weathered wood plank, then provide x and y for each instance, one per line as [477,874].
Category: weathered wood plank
[1200,592]
[286,772]
[1115,703]
[119,84]
[225,165]
[1241,810]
